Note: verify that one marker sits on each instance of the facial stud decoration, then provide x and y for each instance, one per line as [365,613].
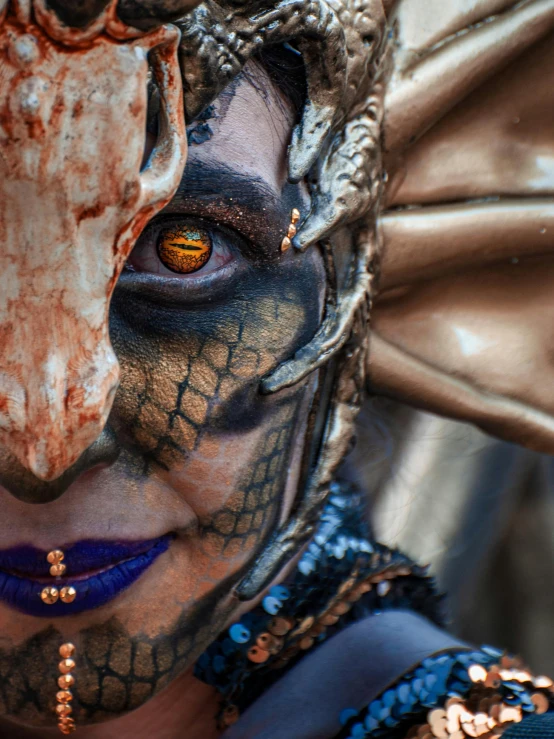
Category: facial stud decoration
[50,594]
[55,559]
[184,250]
[286,243]
[64,696]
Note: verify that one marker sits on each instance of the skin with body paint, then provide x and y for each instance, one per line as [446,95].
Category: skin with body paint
[202,454]
[192,449]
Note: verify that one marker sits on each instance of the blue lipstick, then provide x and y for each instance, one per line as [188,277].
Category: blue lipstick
[98,570]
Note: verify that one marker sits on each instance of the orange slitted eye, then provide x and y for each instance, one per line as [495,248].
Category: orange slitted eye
[184,250]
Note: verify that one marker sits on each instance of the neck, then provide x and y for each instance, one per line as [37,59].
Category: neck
[186,702]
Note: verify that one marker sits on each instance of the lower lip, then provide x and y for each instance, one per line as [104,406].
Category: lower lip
[23,594]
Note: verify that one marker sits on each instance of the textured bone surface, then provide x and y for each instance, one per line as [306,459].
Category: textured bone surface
[73,200]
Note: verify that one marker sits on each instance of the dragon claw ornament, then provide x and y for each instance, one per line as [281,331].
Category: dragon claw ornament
[73,200]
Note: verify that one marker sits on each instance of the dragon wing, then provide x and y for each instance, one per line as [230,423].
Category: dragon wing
[464,324]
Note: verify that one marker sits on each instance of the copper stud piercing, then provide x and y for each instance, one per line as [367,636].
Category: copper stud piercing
[64,696]
[51,594]
[55,559]
[286,243]
[68,594]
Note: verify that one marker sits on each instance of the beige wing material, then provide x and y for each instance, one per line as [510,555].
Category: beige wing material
[464,325]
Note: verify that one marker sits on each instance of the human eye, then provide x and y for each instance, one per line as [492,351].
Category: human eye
[182,248]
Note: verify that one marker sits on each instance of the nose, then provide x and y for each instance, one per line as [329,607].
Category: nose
[26,487]
[59,411]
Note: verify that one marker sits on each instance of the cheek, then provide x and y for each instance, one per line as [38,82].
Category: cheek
[190,380]
[189,408]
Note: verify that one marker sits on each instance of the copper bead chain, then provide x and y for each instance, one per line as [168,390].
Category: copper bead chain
[64,696]
[51,593]
[286,243]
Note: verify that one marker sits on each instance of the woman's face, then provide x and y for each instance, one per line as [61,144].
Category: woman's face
[196,466]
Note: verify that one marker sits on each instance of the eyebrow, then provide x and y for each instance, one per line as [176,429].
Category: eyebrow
[241,201]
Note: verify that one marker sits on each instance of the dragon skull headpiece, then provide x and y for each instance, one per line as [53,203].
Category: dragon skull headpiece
[74,198]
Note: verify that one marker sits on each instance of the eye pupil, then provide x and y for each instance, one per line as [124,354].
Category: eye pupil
[184,250]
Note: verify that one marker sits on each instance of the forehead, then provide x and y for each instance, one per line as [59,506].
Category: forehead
[247,128]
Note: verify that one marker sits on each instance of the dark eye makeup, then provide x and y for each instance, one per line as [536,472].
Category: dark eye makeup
[181,260]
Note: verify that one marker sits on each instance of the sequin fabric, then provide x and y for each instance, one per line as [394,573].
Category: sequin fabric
[343,577]
[478,693]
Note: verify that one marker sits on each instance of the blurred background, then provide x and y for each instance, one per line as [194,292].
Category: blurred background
[478,510]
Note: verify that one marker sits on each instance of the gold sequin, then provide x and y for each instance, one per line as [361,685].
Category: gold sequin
[279,626]
[269,642]
[306,643]
[67,728]
[58,570]
[230,715]
[477,674]
[255,654]
[340,608]
[185,250]
[541,702]
[328,619]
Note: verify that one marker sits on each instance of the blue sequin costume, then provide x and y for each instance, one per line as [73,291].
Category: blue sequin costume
[343,577]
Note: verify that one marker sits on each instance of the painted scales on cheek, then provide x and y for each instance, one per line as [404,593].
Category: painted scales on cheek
[73,200]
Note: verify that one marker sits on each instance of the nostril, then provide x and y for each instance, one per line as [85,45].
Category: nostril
[26,487]
[77,13]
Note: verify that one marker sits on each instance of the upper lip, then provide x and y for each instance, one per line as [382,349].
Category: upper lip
[80,557]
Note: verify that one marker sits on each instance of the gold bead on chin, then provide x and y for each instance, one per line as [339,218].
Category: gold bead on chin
[67,650]
[66,681]
[66,665]
[67,728]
